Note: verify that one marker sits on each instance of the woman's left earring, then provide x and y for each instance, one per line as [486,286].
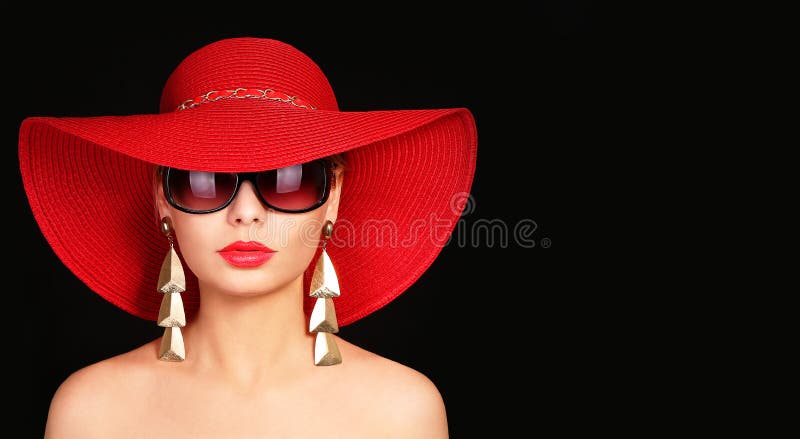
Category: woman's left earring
[323,322]
[171,282]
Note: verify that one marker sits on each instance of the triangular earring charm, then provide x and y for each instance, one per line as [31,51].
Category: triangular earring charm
[171,279]
[326,353]
[171,312]
[172,345]
[324,282]
[323,317]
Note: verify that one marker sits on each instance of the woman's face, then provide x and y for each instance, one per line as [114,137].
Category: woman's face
[223,248]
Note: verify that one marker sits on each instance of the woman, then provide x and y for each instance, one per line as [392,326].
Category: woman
[252,220]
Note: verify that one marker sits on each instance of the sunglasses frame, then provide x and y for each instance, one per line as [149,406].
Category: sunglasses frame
[241,177]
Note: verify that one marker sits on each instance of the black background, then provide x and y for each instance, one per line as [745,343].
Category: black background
[498,328]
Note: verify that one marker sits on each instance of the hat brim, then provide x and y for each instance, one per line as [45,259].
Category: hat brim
[89,181]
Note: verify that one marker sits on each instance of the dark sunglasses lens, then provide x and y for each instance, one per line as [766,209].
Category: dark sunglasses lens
[294,188]
[197,190]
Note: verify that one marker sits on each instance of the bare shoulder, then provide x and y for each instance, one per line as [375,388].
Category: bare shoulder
[95,392]
[405,400]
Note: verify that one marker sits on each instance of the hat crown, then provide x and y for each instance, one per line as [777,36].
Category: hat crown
[257,63]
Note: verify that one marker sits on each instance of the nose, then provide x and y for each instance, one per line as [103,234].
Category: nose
[246,208]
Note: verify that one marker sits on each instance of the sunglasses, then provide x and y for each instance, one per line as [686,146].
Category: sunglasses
[293,189]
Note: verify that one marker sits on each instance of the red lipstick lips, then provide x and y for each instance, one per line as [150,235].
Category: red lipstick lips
[246,254]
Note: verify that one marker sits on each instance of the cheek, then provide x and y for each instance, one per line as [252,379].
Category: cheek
[298,240]
[195,240]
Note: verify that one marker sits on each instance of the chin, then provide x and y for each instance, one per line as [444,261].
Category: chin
[245,292]
[251,284]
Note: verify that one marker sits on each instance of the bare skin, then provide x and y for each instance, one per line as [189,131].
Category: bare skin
[249,369]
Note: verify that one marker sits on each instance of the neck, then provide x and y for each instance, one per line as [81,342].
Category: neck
[248,338]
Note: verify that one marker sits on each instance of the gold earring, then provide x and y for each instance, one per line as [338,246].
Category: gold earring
[171,282]
[325,286]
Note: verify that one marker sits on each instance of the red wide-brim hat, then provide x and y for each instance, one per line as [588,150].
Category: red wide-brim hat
[237,105]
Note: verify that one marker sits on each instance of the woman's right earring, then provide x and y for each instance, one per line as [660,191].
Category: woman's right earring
[171,282]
